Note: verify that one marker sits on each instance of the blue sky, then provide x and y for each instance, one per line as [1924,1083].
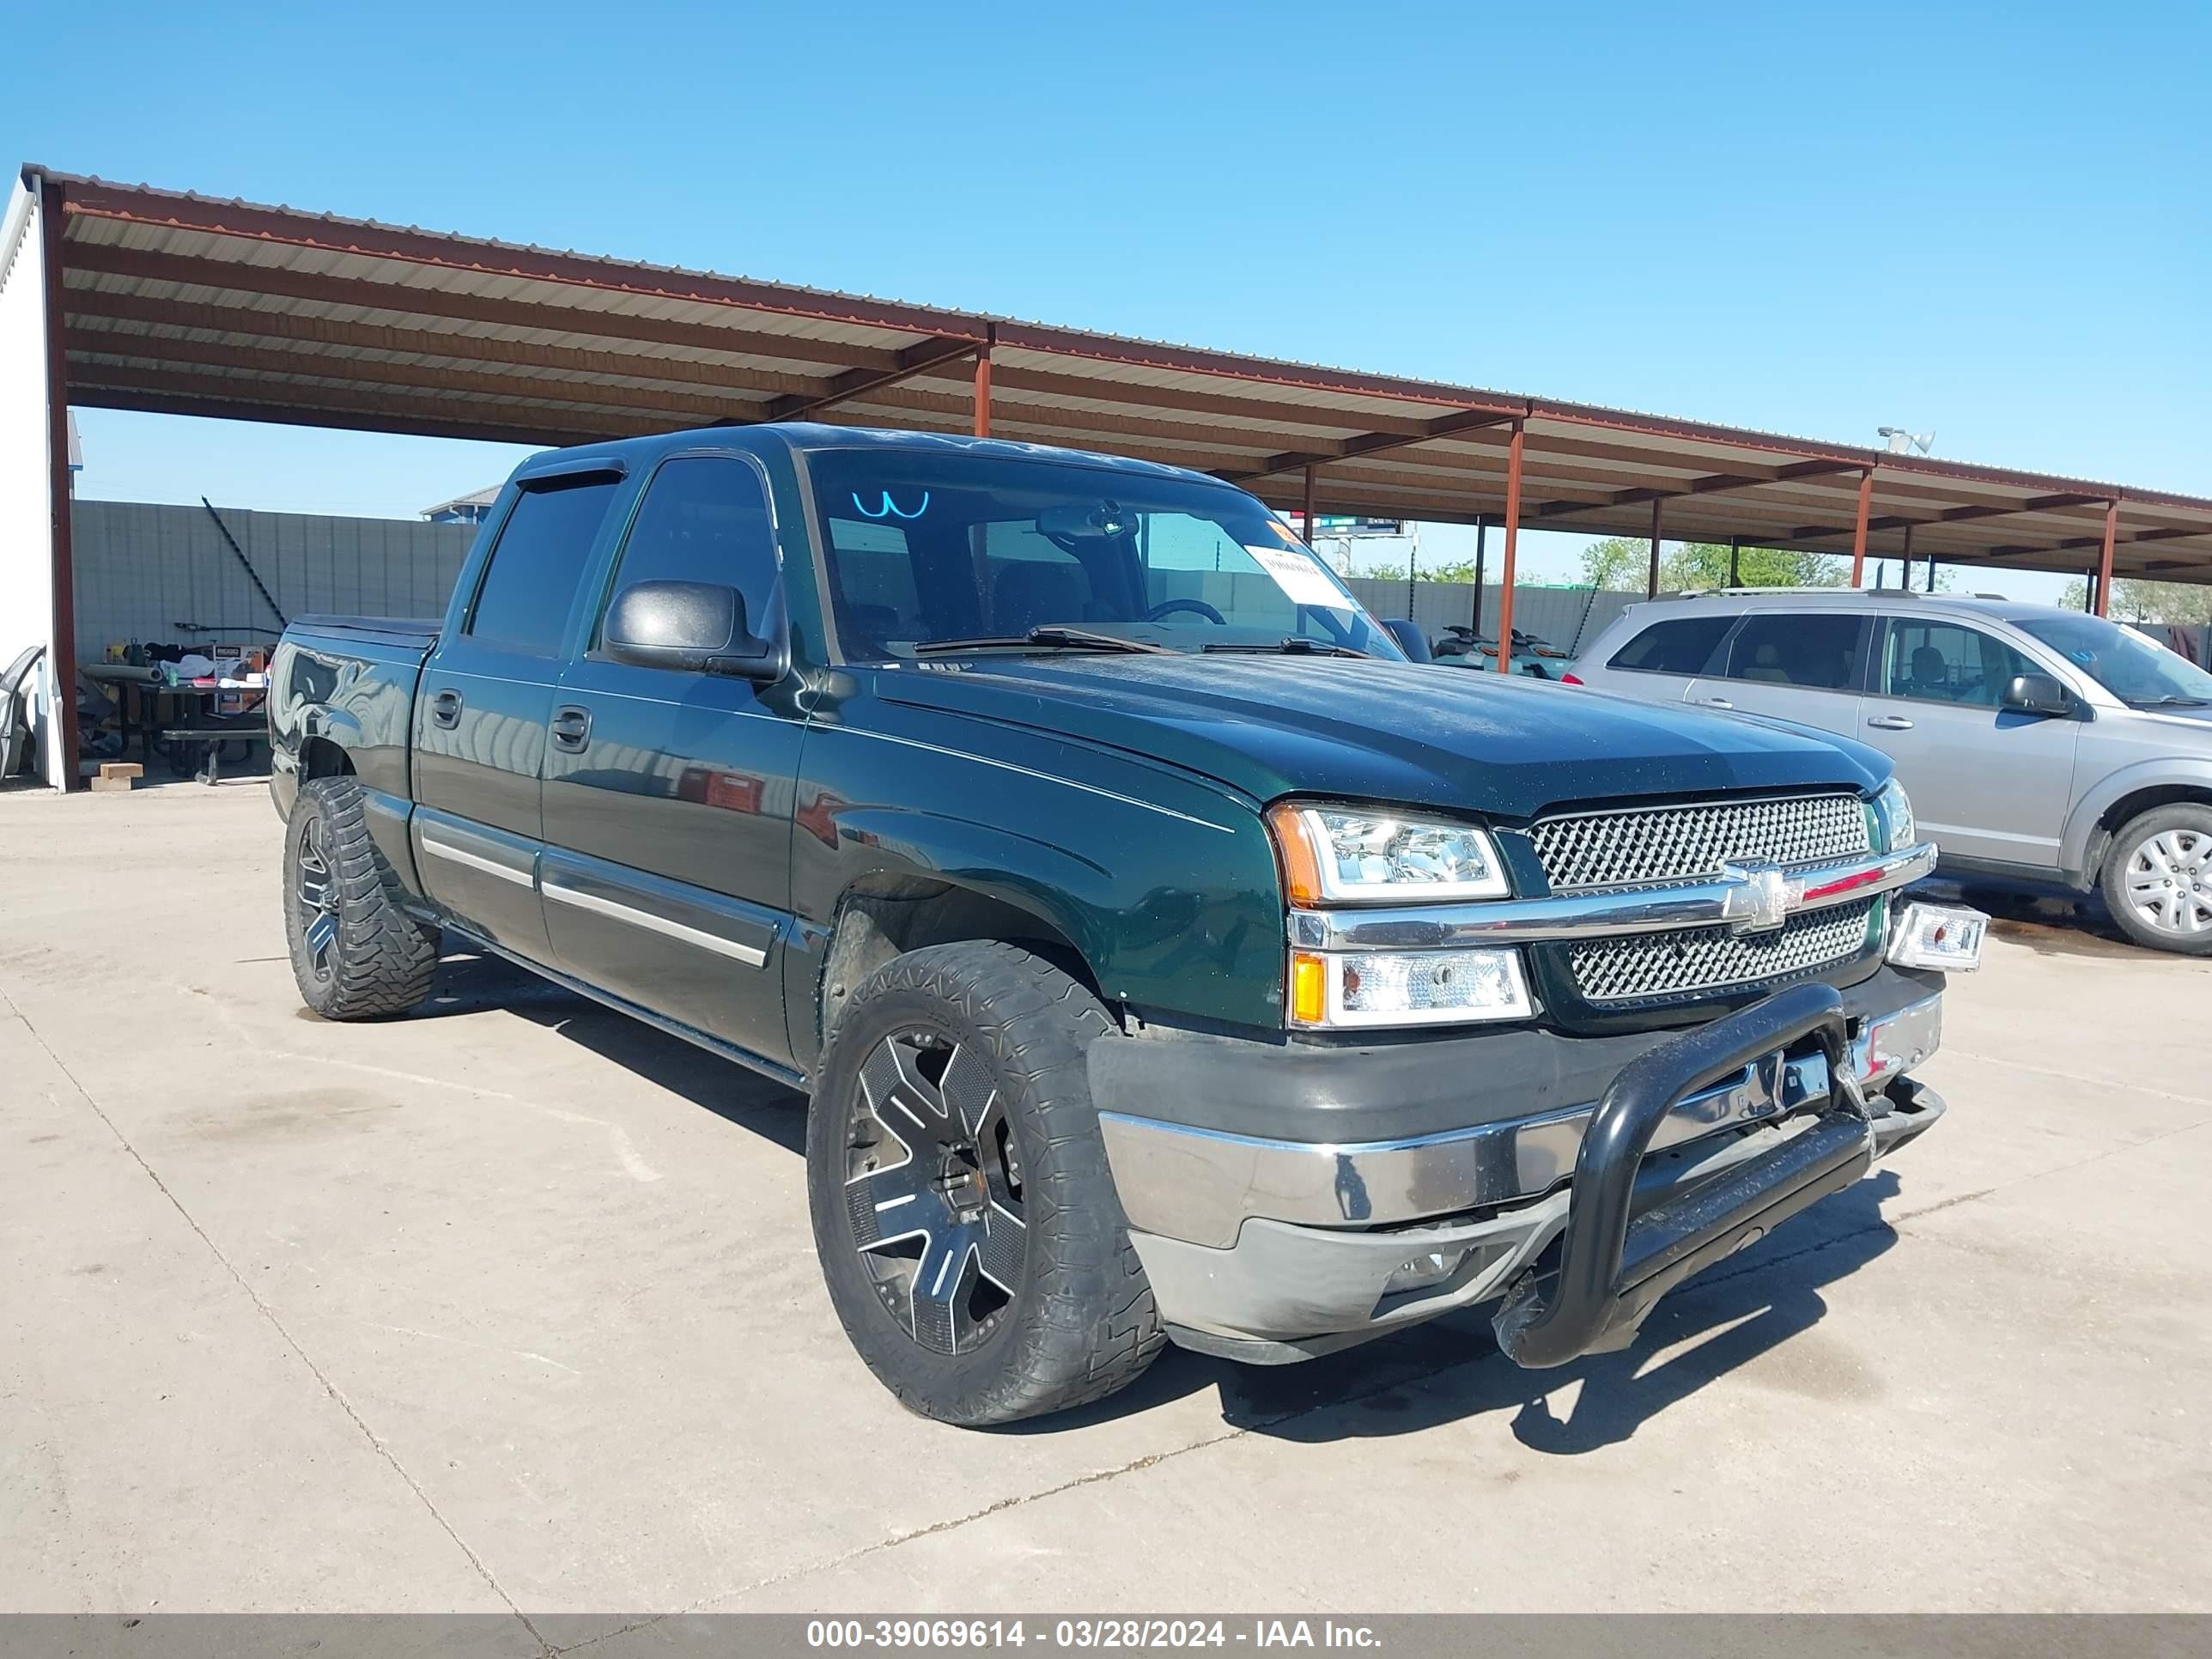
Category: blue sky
[1994,223]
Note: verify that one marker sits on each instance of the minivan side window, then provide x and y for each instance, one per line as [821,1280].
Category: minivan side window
[522,602]
[1943,662]
[1816,651]
[704,518]
[1684,645]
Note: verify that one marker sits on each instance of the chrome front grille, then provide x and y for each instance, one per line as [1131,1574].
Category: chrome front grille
[1641,966]
[1645,846]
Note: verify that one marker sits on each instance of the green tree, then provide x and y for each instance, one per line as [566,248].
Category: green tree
[2135,600]
[1616,563]
[1623,563]
[1706,564]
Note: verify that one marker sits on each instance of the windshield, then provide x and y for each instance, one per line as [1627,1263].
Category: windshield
[2135,670]
[928,546]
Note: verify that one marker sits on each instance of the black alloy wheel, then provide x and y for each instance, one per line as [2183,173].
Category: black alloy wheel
[315,899]
[934,1189]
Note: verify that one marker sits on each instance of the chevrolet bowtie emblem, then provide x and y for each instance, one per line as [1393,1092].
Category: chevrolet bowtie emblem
[1763,898]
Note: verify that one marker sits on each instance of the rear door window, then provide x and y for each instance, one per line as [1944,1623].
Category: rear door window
[523,602]
[1685,645]
[1944,662]
[1812,650]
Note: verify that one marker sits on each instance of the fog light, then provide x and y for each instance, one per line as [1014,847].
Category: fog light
[1417,1272]
[1942,936]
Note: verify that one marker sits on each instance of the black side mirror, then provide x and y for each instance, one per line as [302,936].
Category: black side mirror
[2037,694]
[1409,638]
[695,626]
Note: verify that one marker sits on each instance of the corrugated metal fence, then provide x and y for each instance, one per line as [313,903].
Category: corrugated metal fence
[1568,617]
[144,571]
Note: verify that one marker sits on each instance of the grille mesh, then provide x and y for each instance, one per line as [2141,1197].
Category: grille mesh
[1683,843]
[1639,967]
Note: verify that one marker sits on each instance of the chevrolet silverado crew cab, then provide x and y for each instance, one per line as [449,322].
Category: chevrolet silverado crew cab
[1165,958]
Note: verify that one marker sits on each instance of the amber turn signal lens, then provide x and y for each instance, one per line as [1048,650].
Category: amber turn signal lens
[1308,980]
[1301,874]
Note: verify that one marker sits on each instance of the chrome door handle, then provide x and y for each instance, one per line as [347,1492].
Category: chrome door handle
[1717,703]
[572,727]
[446,707]
[1890,723]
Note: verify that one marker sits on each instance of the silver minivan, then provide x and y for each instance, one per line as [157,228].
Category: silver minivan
[2040,747]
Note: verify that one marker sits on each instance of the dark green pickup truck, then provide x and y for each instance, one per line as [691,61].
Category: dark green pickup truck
[1165,958]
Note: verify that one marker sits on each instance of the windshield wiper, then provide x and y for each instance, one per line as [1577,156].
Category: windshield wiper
[1296,646]
[1052,635]
[2171,701]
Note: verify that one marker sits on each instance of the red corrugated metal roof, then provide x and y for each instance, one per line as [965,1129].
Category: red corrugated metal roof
[192,304]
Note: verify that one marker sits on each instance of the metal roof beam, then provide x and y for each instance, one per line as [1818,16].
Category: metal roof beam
[1055,382]
[1712,483]
[2072,542]
[917,359]
[1369,443]
[1956,516]
[1075,424]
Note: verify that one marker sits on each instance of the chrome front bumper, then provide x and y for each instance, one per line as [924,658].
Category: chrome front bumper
[1202,1186]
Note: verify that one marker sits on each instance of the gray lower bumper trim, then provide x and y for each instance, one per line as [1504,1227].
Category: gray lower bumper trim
[1286,1293]
[1203,1186]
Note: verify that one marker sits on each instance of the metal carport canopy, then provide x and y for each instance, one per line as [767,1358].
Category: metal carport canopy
[183,304]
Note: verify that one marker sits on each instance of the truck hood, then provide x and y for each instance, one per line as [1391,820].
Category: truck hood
[1508,746]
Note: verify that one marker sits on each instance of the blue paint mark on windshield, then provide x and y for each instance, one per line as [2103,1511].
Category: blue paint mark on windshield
[888,508]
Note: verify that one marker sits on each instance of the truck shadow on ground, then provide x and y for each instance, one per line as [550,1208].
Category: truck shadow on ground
[1450,1369]
[472,982]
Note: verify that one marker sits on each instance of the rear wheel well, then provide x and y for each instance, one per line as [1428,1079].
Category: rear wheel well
[885,916]
[2131,806]
[322,757]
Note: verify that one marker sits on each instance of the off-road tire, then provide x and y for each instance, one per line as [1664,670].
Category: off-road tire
[1082,1323]
[2192,824]
[378,961]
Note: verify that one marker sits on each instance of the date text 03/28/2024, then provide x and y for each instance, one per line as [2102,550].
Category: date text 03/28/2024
[956,1633]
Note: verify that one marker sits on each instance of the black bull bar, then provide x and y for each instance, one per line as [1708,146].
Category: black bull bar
[1612,1270]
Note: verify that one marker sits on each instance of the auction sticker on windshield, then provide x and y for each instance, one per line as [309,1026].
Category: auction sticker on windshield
[1302,580]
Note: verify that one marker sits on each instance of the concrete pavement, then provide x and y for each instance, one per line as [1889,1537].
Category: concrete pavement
[512,1306]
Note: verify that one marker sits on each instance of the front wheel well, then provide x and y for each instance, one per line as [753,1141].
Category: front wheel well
[2133,806]
[886,916]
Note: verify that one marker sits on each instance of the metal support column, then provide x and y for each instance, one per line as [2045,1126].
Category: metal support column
[983,390]
[1481,532]
[1310,537]
[2105,558]
[62,660]
[1651,581]
[1859,530]
[1735,557]
[1512,548]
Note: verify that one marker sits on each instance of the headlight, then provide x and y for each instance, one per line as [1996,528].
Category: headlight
[1334,854]
[1406,987]
[1896,807]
